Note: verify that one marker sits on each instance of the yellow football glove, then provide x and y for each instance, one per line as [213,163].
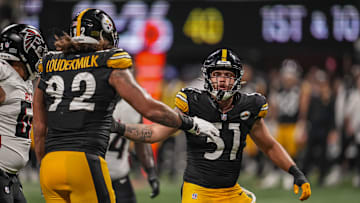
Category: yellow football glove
[300,181]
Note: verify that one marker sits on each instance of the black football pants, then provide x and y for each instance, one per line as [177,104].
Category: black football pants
[10,188]
[123,190]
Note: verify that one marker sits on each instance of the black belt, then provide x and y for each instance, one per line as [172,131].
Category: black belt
[12,177]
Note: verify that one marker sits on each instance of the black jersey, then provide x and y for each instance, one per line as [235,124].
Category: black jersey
[79,100]
[216,163]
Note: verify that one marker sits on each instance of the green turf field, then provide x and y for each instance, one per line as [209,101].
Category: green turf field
[170,193]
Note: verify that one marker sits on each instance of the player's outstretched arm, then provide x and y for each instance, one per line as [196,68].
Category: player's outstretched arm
[156,132]
[263,139]
[39,123]
[127,88]
[148,133]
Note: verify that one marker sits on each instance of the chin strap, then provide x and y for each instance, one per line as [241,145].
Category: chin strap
[220,94]
[30,74]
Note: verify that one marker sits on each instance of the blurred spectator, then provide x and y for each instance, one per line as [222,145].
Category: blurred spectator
[253,81]
[321,122]
[288,104]
[343,88]
[352,124]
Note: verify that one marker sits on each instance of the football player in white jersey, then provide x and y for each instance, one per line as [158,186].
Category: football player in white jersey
[21,46]
[117,157]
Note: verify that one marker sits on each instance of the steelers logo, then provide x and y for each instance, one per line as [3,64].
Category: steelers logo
[245,115]
[107,24]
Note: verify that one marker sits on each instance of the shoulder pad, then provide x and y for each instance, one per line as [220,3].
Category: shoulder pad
[182,98]
[261,103]
[118,49]
[255,94]
[114,50]
[191,89]
[4,69]
[52,53]
[3,62]
[119,59]
[40,66]
[181,101]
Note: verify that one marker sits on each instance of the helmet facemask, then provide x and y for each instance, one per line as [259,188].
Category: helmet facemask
[217,62]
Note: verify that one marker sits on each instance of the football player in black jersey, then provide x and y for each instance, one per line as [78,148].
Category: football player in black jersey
[73,107]
[213,162]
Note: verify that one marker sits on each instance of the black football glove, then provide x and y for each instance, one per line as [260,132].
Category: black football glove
[155,186]
[117,127]
[153,181]
[300,181]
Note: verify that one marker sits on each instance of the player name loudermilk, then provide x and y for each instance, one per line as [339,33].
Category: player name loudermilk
[58,65]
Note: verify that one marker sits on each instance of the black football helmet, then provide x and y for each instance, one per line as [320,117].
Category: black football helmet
[91,25]
[20,42]
[222,59]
